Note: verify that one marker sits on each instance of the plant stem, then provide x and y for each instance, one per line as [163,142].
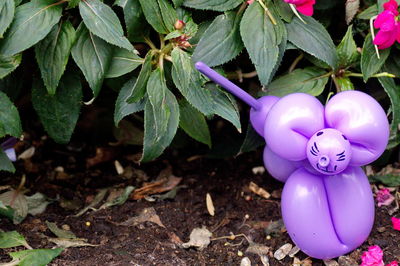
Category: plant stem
[295,62]
[379,75]
[150,43]
[371,25]
[271,17]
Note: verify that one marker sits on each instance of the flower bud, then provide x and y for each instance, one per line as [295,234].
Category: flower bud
[179,24]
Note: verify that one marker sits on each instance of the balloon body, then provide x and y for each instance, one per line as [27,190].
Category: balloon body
[328,216]
[327,203]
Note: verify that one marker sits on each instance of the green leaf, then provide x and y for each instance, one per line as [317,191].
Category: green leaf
[5,163]
[32,22]
[101,20]
[216,5]
[194,123]
[73,3]
[169,14]
[154,146]
[311,80]
[189,82]
[122,107]
[123,61]
[344,84]
[368,13]
[347,50]
[393,91]
[59,113]
[60,233]
[156,92]
[7,8]
[261,39]
[154,16]
[221,42]
[119,200]
[390,180]
[93,57]
[37,257]
[313,39]
[8,64]
[178,3]
[37,203]
[12,239]
[52,54]
[139,88]
[134,20]
[224,105]
[10,123]
[17,206]
[252,140]
[284,10]
[370,64]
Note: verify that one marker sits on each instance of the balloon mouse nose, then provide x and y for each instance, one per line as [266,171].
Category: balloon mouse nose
[324,161]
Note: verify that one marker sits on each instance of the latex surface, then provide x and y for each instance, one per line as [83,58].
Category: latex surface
[291,123]
[328,216]
[362,120]
[257,117]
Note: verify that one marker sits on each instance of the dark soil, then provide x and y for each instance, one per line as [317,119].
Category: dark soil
[237,211]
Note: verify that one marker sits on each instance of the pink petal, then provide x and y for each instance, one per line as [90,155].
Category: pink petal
[396,223]
[372,257]
[384,39]
[391,6]
[305,7]
[393,263]
[386,17]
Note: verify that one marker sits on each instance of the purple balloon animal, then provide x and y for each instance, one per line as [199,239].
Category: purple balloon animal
[327,202]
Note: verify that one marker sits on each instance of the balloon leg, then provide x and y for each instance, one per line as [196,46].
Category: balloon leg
[327,216]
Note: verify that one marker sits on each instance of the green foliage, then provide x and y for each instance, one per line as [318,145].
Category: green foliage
[221,42]
[158,82]
[11,239]
[32,22]
[35,256]
[313,39]
[7,8]
[59,112]
[52,54]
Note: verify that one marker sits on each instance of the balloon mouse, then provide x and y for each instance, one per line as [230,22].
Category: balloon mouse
[327,203]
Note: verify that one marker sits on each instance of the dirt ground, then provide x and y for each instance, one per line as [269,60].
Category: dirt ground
[254,220]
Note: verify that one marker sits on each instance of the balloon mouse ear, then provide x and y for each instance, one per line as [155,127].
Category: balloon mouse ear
[362,121]
[290,124]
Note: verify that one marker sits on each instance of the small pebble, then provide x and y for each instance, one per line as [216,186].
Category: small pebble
[268,237]
[294,251]
[245,262]
[66,227]
[264,260]
[331,263]
[240,253]
[283,251]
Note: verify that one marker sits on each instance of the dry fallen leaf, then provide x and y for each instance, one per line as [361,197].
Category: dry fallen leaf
[210,205]
[259,191]
[103,154]
[70,243]
[258,249]
[146,215]
[118,167]
[165,182]
[27,154]
[294,251]
[331,263]
[199,238]
[283,251]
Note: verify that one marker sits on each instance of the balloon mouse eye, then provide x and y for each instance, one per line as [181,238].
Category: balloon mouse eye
[344,137]
[320,133]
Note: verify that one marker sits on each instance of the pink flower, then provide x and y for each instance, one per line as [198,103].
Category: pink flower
[393,263]
[250,2]
[384,197]
[305,7]
[396,223]
[372,257]
[389,26]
